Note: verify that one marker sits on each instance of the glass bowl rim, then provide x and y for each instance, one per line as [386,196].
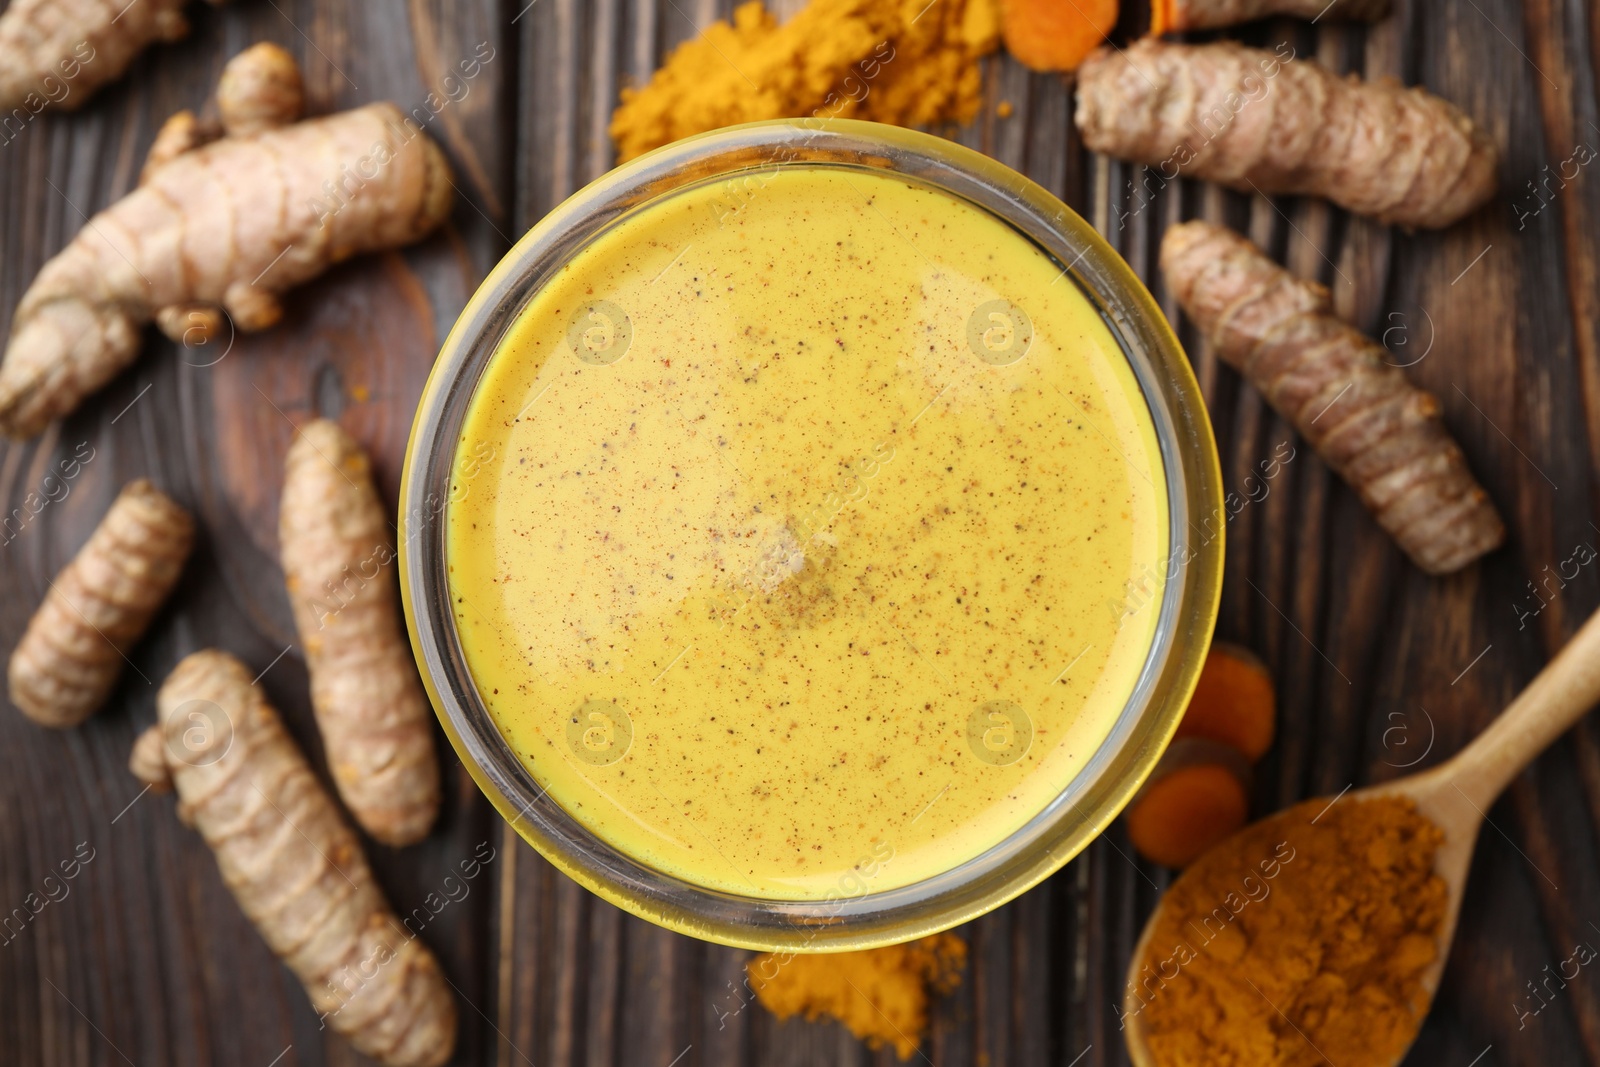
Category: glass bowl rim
[1190,592]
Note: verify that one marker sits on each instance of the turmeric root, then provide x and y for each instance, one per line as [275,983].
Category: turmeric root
[1053,35]
[228,225]
[899,63]
[338,564]
[69,659]
[1233,702]
[1251,120]
[1376,430]
[59,51]
[294,865]
[1178,16]
[148,760]
[181,133]
[260,89]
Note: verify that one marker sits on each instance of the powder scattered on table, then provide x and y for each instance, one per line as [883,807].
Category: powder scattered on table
[1297,943]
[880,995]
[903,62]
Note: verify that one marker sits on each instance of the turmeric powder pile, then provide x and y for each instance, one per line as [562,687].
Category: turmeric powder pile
[908,63]
[880,995]
[1297,942]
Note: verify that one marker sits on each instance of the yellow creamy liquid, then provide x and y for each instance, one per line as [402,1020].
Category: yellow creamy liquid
[793,530]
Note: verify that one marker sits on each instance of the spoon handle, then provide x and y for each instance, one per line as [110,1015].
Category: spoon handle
[1557,698]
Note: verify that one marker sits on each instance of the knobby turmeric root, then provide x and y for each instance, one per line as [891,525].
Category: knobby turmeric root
[293,864]
[1054,34]
[338,563]
[69,659]
[223,226]
[148,763]
[1376,430]
[1255,121]
[57,52]
[260,89]
[1177,16]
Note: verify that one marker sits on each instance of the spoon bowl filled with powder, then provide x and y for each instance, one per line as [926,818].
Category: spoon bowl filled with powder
[1319,934]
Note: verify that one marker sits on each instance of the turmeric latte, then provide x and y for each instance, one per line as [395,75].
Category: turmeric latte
[802,537]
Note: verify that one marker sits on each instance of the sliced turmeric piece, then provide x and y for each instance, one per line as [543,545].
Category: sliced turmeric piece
[1199,792]
[293,864]
[1379,432]
[1195,799]
[1056,34]
[1254,121]
[338,563]
[69,659]
[1178,16]
[1234,702]
[229,225]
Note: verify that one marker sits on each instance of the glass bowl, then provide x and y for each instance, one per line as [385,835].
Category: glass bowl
[1190,584]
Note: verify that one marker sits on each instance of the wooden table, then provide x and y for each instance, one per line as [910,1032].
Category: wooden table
[149,961]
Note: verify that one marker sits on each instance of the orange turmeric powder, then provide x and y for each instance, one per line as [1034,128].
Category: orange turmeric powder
[903,64]
[880,995]
[1300,940]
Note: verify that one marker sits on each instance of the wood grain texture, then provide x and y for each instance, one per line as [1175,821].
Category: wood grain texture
[1381,669]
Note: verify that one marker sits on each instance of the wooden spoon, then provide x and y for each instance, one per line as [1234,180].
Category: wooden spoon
[1456,794]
